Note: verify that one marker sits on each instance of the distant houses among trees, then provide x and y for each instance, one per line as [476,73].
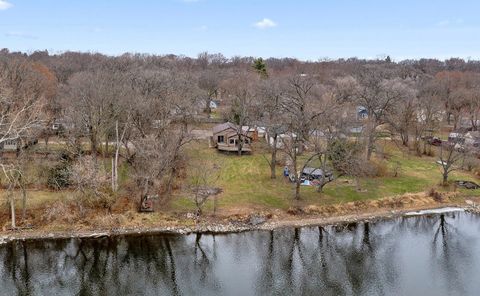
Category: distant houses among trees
[138,111]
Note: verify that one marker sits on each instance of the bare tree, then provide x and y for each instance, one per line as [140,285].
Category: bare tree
[151,162]
[87,178]
[378,92]
[429,112]
[119,137]
[448,159]
[272,116]
[160,127]
[471,94]
[209,82]
[403,117]
[326,130]
[302,105]
[243,112]
[92,103]
[22,95]
[451,92]
[14,177]
[202,182]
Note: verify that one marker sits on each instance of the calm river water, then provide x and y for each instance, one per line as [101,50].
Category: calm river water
[424,255]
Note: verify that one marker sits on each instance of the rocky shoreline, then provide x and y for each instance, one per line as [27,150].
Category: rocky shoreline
[225,228]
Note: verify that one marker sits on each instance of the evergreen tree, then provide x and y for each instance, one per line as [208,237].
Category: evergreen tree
[260,66]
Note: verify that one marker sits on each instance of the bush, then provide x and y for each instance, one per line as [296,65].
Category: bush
[340,152]
[59,176]
[91,183]
[437,196]
[471,163]
[379,169]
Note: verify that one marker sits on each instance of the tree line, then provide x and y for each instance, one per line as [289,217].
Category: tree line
[139,109]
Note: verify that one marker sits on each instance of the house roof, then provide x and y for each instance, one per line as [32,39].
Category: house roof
[361,109]
[236,136]
[221,127]
[313,171]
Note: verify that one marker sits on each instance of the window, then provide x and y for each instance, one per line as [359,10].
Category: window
[232,141]
[220,139]
[247,141]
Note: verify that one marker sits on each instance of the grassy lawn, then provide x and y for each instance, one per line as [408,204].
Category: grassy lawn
[246,181]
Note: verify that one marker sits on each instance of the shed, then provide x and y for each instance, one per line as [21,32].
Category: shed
[226,138]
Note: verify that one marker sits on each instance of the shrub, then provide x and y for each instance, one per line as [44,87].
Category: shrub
[471,163]
[341,152]
[379,169]
[437,196]
[59,176]
[91,183]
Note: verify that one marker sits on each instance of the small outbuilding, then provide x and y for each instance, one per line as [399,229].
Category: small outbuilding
[226,137]
[316,174]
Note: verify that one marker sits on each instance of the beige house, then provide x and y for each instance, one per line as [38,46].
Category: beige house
[225,137]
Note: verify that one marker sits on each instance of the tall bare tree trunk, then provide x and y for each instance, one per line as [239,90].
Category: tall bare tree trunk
[118,139]
[146,182]
[297,175]
[239,145]
[273,162]
[12,211]
[369,140]
[93,144]
[445,178]
[24,200]
[115,160]
[323,164]
[11,198]
[208,110]
[113,174]
[105,152]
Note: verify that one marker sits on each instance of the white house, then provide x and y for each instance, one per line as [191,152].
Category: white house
[213,105]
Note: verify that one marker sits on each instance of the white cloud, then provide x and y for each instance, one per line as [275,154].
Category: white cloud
[265,23]
[5,5]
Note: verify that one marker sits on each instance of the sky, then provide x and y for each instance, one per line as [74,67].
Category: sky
[303,29]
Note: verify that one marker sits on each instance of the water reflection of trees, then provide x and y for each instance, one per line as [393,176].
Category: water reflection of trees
[360,259]
[352,259]
[125,266]
[334,261]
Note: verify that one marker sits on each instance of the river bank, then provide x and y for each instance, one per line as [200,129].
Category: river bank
[345,259]
[224,226]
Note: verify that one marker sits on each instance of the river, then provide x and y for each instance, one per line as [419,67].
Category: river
[435,254]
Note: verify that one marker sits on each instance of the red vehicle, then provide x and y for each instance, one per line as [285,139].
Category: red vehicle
[434,141]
